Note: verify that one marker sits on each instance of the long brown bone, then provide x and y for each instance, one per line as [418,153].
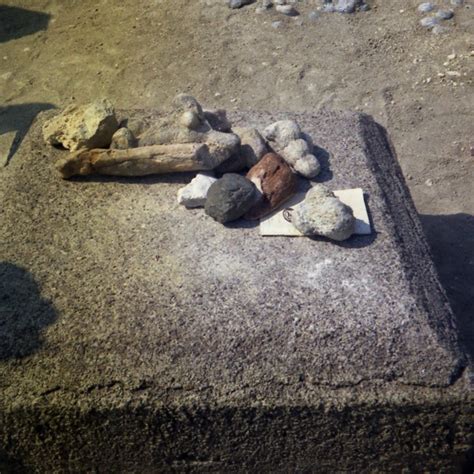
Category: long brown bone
[141,161]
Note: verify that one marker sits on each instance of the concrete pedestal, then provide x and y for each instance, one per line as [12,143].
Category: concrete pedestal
[138,336]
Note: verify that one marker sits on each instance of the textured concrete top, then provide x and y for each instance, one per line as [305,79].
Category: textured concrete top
[130,296]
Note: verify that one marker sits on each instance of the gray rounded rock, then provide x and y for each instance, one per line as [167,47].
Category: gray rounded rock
[445,14]
[230,198]
[123,139]
[322,213]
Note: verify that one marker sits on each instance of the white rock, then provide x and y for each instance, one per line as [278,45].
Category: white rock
[298,155]
[322,213]
[281,133]
[294,151]
[195,193]
[308,166]
[87,126]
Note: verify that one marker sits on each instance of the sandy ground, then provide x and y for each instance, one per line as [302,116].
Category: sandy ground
[141,53]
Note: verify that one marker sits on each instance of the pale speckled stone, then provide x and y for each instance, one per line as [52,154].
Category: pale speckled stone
[82,126]
[195,193]
[322,213]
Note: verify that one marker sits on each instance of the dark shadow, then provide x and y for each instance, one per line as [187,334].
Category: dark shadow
[323,156]
[8,465]
[242,224]
[17,22]
[23,313]
[353,242]
[451,238]
[169,178]
[18,118]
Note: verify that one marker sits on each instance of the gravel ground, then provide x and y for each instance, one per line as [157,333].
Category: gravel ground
[141,53]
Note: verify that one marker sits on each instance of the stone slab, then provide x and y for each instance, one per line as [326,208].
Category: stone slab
[276,224]
[138,336]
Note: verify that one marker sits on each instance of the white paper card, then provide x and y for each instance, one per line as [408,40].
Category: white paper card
[276,224]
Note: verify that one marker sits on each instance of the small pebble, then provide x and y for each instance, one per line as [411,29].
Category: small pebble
[425,7]
[276,24]
[445,14]
[314,15]
[286,10]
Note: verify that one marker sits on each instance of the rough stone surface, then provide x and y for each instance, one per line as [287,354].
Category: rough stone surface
[252,145]
[282,132]
[186,122]
[276,182]
[230,197]
[298,154]
[195,193]
[142,338]
[82,126]
[122,139]
[322,213]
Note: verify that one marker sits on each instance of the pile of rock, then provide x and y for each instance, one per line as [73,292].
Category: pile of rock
[255,172]
[288,7]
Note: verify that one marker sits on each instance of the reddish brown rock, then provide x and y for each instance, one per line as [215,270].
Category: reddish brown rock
[275,181]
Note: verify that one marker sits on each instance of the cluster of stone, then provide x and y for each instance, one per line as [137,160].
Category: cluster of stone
[288,7]
[436,15]
[242,173]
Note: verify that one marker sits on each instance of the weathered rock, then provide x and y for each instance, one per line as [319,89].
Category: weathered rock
[287,139]
[187,123]
[82,126]
[297,153]
[218,120]
[122,139]
[195,193]
[252,145]
[230,198]
[322,213]
[141,161]
[135,125]
[276,182]
[281,133]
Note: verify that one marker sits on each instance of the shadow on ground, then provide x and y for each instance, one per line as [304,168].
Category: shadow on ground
[17,22]
[24,314]
[17,119]
[451,238]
